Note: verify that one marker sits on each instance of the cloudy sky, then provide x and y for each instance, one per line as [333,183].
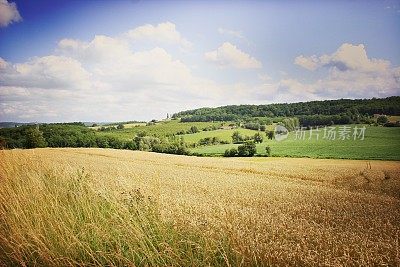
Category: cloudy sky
[139,60]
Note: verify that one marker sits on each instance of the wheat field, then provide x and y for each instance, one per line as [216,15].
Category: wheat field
[97,207]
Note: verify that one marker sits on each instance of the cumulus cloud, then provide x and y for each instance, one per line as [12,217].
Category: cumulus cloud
[51,72]
[228,55]
[112,60]
[163,33]
[352,73]
[8,13]
[310,63]
[106,79]
[102,79]
[346,57]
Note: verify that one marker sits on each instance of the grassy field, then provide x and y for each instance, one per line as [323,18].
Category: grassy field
[64,207]
[224,135]
[379,143]
[160,128]
[126,125]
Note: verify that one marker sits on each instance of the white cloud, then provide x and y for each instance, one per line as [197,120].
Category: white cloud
[103,79]
[352,73]
[51,72]
[111,60]
[106,79]
[3,64]
[8,13]
[310,63]
[347,57]
[163,33]
[228,55]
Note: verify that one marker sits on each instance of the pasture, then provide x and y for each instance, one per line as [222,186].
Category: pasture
[222,134]
[379,143]
[131,208]
[161,128]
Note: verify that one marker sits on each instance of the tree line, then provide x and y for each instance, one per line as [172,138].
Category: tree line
[77,135]
[352,108]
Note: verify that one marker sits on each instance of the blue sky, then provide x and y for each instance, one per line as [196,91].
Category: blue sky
[126,60]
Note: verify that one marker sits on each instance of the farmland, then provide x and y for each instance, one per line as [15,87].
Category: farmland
[378,143]
[224,135]
[161,128]
[89,206]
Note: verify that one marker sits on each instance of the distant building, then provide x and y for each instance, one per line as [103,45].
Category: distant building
[377,115]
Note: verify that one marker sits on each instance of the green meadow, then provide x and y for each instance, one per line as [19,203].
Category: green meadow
[223,135]
[161,128]
[379,143]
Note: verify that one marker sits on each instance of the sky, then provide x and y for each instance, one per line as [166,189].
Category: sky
[63,61]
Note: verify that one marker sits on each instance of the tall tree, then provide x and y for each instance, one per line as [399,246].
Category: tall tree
[34,138]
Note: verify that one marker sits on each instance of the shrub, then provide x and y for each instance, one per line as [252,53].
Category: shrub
[233,152]
[270,134]
[268,151]
[392,124]
[252,126]
[258,138]
[130,145]
[382,119]
[291,123]
[211,141]
[102,142]
[193,129]
[237,137]
[248,149]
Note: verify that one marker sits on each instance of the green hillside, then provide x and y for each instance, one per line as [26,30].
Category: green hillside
[379,143]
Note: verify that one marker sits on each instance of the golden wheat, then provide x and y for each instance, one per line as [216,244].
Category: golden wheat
[252,211]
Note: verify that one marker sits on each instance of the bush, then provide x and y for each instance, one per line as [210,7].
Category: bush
[267,151]
[382,119]
[392,124]
[233,152]
[193,129]
[130,145]
[237,137]
[102,142]
[248,149]
[207,141]
[291,123]
[258,138]
[252,126]
[270,134]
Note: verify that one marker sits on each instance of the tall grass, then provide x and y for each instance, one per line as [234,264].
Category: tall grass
[83,207]
[49,217]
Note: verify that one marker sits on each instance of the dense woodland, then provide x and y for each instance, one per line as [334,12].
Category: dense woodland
[78,135]
[340,111]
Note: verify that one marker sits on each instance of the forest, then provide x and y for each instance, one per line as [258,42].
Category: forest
[348,110]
